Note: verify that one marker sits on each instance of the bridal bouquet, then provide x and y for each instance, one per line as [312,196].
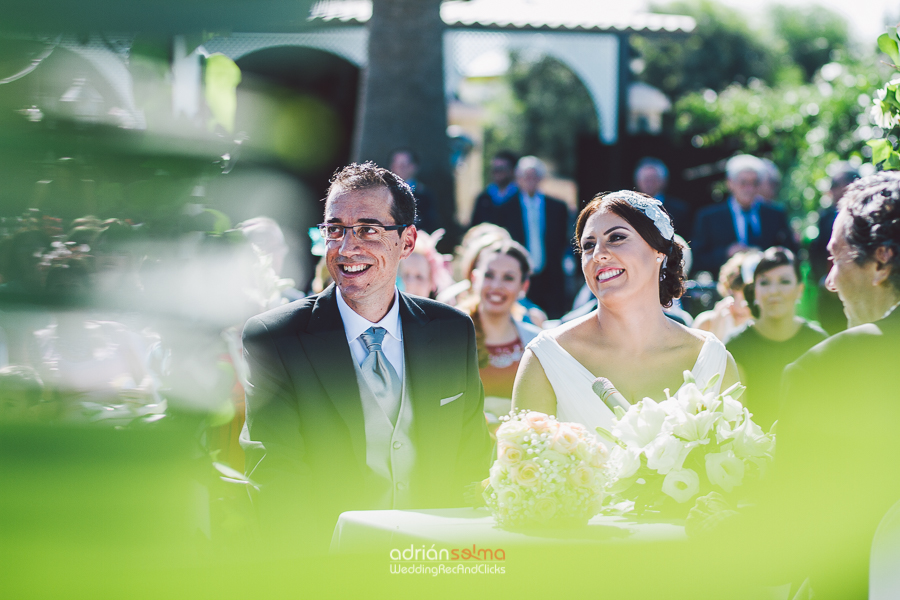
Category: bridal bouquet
[545,472]
[690,444]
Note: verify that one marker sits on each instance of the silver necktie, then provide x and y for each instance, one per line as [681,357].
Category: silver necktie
[380,375]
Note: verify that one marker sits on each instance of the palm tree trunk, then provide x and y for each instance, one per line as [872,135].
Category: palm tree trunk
[402,102]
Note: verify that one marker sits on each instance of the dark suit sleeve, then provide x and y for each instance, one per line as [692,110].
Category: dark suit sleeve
[475,442]
[707,257]
[785,234]
[271,437]
[481,212]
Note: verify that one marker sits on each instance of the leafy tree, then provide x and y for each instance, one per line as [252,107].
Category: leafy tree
[722,50]
[802,128]
[810,35]
[543,110]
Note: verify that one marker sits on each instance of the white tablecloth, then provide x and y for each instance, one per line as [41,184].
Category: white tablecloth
[375,531]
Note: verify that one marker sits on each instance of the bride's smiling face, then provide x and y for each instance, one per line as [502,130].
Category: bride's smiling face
[616,260]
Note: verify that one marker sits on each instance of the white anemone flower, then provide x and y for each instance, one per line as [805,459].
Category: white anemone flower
[665,453]
[725,470]
[681,485]
[881,110]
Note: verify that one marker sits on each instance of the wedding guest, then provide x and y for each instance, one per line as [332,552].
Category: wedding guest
[361,397]
[743,222]
[732,311]
[541,224]
[769,182]
[501,188]
[651,177]
[405,164]
[424,272]
[500,281]
[475,240]
[837,430]
[830,311]
[268,240]
[776,337]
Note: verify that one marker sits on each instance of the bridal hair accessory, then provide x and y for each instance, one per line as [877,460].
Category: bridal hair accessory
[651,209]
[662,268]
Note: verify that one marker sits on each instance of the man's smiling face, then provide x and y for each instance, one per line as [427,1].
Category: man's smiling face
[365,271]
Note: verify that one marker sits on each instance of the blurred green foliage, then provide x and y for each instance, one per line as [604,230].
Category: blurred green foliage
[724,49]
[802,128]
[886,108]
[542,109]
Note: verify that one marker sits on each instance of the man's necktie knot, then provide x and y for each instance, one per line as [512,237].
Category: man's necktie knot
[372,338]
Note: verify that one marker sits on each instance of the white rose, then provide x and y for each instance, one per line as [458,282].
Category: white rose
[665,453]
[681,485]
[724,469]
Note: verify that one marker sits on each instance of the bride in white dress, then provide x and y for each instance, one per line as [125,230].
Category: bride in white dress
[634,267]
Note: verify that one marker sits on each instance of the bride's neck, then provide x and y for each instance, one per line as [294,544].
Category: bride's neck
[633,324]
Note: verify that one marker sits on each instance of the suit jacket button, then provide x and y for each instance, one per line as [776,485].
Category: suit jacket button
[397,445]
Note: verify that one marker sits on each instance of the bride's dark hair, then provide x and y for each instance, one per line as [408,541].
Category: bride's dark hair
[671,284]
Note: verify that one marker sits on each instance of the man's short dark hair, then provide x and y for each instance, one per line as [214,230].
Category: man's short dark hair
[368,175]
[508,156]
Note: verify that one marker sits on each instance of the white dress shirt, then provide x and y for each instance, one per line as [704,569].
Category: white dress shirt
[355,325]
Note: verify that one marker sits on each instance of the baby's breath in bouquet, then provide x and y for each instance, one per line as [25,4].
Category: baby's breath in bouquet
[546,473]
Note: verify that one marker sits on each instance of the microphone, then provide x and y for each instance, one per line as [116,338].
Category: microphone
[604,388]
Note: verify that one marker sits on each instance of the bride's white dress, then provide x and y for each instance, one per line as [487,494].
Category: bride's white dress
[576,402]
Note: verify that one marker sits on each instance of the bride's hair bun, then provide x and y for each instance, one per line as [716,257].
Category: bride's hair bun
[671,284]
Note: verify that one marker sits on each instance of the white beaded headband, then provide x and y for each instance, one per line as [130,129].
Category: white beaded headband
[651,209]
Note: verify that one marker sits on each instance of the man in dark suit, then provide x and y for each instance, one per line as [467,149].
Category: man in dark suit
[838,447]
[405,163]
[541,224]
[744,221]
[361,397]
[651,176]
[501,188]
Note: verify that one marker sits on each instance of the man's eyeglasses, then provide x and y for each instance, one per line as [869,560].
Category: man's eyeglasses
[332,232]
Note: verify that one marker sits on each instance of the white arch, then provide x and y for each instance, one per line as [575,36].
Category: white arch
[593,57]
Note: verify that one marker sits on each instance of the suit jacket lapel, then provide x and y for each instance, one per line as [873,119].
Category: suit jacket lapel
[332,361]
[423,368]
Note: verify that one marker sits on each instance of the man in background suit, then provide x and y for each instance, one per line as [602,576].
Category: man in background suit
[541,224]
[502,187]
[405,164]
[744,221]
[361,397]
[651,176]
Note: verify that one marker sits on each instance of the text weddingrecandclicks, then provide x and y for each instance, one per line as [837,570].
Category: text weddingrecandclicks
[434,561]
